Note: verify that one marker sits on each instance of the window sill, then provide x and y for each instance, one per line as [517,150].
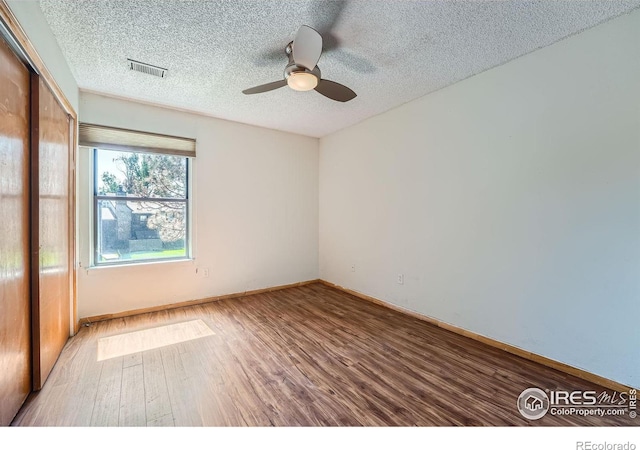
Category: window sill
[133,266]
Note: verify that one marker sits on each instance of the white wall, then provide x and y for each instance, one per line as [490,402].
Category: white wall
[255,205]
[34,24]
[509,201]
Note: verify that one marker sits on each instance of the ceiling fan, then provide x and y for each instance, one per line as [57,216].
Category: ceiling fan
[302,72]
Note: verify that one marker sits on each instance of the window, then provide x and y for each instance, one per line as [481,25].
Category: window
[141,204]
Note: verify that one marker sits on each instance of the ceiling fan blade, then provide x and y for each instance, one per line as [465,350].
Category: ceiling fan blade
[307,47]
[265,87]
[335,91]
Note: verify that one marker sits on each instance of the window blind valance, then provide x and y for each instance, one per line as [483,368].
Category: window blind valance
[110,138]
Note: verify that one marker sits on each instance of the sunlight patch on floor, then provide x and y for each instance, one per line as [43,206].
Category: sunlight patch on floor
[139,341]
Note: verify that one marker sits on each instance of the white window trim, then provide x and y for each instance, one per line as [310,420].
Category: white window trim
[190,241]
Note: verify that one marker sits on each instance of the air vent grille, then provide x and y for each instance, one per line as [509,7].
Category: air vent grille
[149,69]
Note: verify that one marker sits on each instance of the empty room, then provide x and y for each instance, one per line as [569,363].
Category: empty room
[318,213]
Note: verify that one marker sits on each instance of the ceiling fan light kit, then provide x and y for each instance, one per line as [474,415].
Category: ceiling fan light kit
[302,72]
[302,81]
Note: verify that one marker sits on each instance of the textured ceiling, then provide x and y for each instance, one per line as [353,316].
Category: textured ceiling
[389,52]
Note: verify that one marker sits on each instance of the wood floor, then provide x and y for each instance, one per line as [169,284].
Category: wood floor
[305,356]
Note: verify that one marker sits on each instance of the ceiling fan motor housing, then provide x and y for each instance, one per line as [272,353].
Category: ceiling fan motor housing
[293,68]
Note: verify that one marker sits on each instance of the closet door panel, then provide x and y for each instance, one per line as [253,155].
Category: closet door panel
[15,325]
[53,205]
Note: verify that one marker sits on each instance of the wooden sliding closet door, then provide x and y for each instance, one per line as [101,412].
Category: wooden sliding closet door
[51,226]
[15,325]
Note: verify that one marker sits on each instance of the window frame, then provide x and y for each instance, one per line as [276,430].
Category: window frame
[187,201]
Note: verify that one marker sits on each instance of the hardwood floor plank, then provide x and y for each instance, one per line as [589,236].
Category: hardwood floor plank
[156,394]
[131,360]
[305,356]
[183,387]
[164,421]
[132,398]
[75,399]
[106,410]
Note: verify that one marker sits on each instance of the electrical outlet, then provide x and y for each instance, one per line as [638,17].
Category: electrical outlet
[205,272]
[400,279]
[353,267]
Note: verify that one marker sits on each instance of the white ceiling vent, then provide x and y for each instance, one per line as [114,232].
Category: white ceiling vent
[147,68]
